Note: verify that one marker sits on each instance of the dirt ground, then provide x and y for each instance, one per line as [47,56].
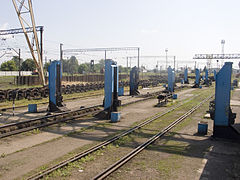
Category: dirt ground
[26,153]
[145,166]
[183,154]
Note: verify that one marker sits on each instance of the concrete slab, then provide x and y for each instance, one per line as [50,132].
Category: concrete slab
[235,103]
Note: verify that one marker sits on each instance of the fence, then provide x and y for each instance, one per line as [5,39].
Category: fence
[15,73]
[34,80]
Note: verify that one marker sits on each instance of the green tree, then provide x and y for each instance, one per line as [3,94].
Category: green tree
[28,65]
[98,67]
[73,65]
[65,66]
[46,65]
[9,66]
[83,68]
[16,60]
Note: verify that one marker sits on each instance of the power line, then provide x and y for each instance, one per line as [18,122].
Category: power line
[19,30]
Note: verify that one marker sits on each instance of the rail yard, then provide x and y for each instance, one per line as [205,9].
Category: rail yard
[88,115]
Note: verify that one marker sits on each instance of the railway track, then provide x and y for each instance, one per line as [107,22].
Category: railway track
[67,99]
[137,150]
[28,125]
[109,141]
[43,92]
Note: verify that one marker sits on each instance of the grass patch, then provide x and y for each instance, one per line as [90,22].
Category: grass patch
[153,127]
[167,166]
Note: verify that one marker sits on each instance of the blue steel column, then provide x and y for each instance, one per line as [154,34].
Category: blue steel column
[206,74]
[132,82]
[171,78]
[52,70]
[214,74]
[197,73]
[108,84]
[186,75]
[222,95]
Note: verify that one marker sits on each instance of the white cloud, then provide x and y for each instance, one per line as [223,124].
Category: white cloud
[4,26]
[149,31]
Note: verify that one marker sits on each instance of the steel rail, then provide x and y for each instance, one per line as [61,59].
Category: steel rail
[100,145]
[137,150]
[18,131]
[44,122]
[46,117]
[67,99]
[32,127]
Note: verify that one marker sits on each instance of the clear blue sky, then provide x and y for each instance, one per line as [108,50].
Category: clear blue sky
[185,27]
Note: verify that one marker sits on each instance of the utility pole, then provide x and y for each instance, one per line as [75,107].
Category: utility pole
[19,62]
[61,52]
[174,60]
[41,43]
[222,43]
[19,69]
[166,50]
[127,66]
[138,58]
[61,56]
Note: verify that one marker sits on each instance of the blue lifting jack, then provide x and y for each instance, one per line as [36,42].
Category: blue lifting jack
[111,101]
[219,109]
[134,81]
[214,74]
[186,76]
[55,87]
[171,80]
[197,78]
[207,81]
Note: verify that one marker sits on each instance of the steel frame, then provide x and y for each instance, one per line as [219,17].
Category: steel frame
[148,57]
[216,56]
[105,50]
[24,8]
[19,30]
